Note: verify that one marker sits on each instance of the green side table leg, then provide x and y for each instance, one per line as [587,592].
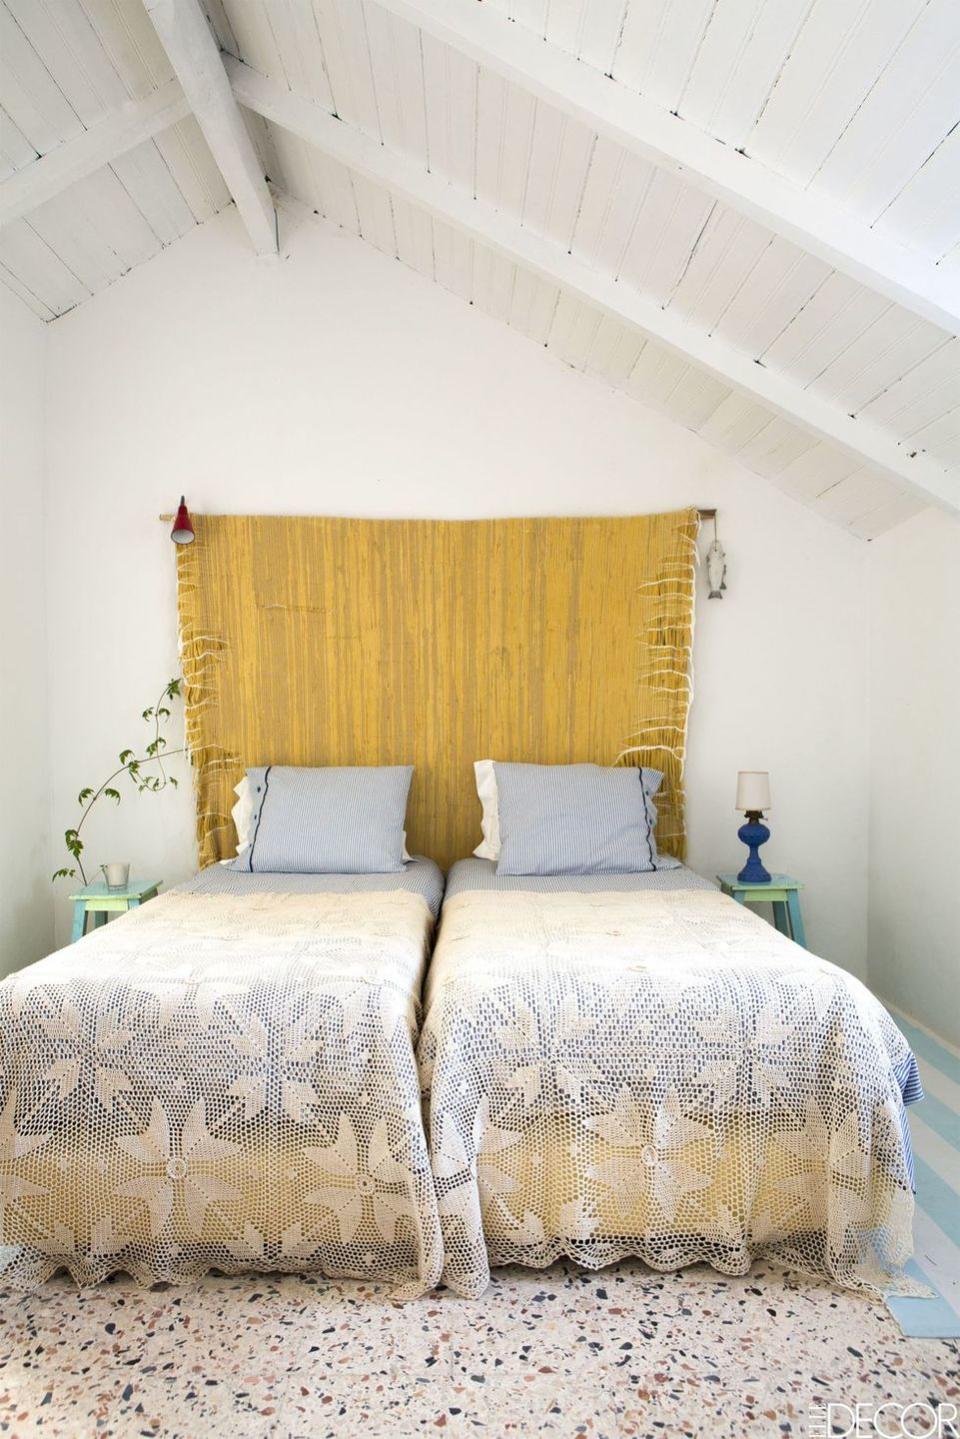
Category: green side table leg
[796,918]
[99,918]
[741,899]
[133,904]
[79,920]
[781,919]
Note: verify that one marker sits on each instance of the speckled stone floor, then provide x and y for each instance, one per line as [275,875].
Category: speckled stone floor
[622,1352]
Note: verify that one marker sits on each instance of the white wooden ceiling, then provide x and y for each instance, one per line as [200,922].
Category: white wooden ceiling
[746,212]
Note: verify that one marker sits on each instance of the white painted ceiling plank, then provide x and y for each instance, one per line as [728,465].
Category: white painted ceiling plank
[616,187]
[14,283]
[96,230]
[494,283]
[564,24]
[146,177]
[336,184]
[39,269]
[856,496]
[505,121]
[730,249]
[414,229]
[534,305]
[254,34]
[658,46]
[131,42]
[193,53]
[374,214]
[937,371]
[32,97]
[398,83]
[515,243]
[226,38]
[614,352]
[910,108]
[783,280]
[453,260]
[188,158]
[927,209]
[124,129]
[827,230]
[341,25]
[696,398]
[839,52]
[450,101]
[873,361]
[895,512]
[737,421]
[15,149]
[668,226]
[816,471]
[559,158]
[600,32]
[737,64]
[60,32]
[774,448]
[573,331]
[835,316]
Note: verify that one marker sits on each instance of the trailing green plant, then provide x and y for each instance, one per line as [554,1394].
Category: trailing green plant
[132,765]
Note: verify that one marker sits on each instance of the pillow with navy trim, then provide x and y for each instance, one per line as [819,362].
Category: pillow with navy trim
[336,820]
[574,819]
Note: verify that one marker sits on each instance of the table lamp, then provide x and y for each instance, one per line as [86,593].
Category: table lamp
[753,797]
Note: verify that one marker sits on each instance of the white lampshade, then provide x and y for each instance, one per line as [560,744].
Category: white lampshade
[753,790]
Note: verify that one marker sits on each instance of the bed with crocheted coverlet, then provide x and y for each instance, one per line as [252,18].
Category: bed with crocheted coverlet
[640,1066]
[224,1078]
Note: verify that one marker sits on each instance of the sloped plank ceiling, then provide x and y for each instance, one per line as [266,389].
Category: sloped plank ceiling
[853,101]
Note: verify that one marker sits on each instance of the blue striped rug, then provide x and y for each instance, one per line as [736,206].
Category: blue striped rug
[935,1126]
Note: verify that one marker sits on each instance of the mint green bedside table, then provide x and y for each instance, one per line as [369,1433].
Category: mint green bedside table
[99,900]
[782,892]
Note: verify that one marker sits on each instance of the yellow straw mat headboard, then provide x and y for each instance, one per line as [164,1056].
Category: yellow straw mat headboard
[315,641]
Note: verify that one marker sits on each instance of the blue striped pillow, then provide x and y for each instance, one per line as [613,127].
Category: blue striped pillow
[573,819]
[337,820]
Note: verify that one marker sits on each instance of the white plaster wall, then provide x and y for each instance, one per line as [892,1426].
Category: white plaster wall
[337,381]
[914,921]
[26,913]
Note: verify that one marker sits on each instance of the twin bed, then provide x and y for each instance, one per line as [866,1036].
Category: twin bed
[231,1078]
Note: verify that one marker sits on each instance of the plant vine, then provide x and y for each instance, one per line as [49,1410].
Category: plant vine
[131,765]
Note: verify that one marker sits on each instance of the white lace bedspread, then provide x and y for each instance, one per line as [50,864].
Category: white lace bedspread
[657,1074]
[220,1080]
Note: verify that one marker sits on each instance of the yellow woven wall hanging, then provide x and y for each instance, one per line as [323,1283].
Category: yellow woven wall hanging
[315,641]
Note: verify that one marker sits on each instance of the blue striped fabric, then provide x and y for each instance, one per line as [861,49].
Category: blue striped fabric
[573,819]
[471,874]
[337,820]
[420,876]
[907,1076]
[933,1085]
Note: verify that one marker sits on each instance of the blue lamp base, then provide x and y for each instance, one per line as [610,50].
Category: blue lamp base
[753,834]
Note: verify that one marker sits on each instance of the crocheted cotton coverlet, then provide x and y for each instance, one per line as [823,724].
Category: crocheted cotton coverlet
[658,1074]
[220,1081]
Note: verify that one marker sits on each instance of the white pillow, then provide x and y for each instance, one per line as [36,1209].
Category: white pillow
[242,816]
[489,848]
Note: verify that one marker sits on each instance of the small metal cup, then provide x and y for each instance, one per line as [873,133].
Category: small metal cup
[116,875]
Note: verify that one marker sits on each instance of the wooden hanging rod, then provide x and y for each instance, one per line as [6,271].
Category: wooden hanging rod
[705,514]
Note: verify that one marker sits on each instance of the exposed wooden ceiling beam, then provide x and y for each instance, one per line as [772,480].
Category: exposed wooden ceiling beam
[195,57]
[104,142]
[820,226]
[508,237]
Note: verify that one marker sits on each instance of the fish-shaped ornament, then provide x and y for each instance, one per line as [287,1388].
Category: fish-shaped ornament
[716,570]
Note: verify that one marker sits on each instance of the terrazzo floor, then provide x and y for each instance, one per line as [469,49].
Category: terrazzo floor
[563,1352]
